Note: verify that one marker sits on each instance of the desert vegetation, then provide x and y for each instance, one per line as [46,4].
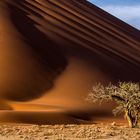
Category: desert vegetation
[125,94]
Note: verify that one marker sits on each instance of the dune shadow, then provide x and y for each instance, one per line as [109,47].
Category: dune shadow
[51,118]
[45,51]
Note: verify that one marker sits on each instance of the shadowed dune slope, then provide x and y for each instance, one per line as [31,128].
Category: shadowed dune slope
[53,51]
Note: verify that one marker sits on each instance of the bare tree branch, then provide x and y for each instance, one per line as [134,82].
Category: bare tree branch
[126,95]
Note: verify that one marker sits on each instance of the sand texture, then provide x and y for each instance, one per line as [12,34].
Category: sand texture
[69,132]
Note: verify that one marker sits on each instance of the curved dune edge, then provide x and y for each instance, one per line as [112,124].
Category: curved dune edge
[54,51]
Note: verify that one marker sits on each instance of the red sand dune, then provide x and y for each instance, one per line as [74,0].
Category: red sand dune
[53,51]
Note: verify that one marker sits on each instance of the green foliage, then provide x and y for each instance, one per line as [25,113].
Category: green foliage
[126,95]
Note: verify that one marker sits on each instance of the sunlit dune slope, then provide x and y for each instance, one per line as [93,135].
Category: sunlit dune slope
[53,51]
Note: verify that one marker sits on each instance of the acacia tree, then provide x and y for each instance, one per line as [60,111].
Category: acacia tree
[126,95]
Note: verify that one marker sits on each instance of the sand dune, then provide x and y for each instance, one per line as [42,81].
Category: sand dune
[53,51]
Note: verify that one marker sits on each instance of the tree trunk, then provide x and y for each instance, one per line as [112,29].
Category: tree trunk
[132,121]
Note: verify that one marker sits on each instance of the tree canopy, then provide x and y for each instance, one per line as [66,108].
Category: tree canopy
[126,95]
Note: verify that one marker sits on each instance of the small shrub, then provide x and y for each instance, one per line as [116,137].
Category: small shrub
[126,95]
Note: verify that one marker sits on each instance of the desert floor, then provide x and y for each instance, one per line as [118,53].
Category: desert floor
[99,131]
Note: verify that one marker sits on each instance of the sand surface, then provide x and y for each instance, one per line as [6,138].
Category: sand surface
[98,131]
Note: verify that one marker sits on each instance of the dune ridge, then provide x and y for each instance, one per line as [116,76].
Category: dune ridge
[53,51]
